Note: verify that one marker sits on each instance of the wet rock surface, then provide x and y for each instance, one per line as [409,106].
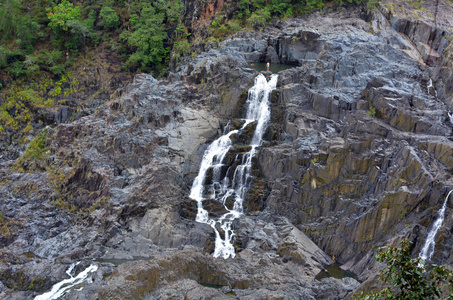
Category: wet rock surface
[358,155]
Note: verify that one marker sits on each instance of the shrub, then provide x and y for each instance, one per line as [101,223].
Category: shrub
[31,96]
[147,39]
[6,118]
[221,32]
[109,17]
[60,14]
[372,111]
[35,151]
[234,26]
[409,278]
[181,48]
[17,69]
[259,18]
[4,225]
[418,4]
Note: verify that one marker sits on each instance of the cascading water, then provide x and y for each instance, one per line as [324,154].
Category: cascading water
[430,243]
[60,288]
[431,87]
[223,188]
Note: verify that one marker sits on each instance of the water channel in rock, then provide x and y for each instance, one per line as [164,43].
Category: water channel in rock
[225,171]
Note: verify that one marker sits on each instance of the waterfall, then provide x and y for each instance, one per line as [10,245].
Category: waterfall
[223,188]
[428,249]
[60,288]
[430,87]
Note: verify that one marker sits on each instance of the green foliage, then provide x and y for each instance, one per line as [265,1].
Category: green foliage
[64,205]
[234,26]
[181,32]
[181,48]
[56,91]
[372,111]
[6,118]
[91,19]
[13,23]
[3,57]
[79,35]
[31,96]
[372,4]
[279,7]
[59,16]
[258,12]
[49,103]
[4,225]
[246,7]
[408,278]
[173,10]
[65,19]
[259,18]
[147,38]
[212,42]
[418,4]
[17,69]
[48,36]
[221,32]
[313,4]
[109,17]
[217,22]
[35,151]
[52,61]
[36,283]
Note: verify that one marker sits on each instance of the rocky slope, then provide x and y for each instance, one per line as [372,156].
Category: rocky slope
[358,155]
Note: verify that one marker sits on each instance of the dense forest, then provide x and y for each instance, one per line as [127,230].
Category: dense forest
[49,35]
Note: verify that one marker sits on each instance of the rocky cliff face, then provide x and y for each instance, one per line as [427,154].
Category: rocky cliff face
[358,155]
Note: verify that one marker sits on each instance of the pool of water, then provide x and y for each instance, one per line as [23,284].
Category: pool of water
[335,271]
[214,286]
[274,68]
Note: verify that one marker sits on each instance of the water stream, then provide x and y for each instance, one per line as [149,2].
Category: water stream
[430,86]
[233,184]
[430,243]
[60,288]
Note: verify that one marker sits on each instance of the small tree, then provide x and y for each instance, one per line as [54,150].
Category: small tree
[147,38]
[66,18]
[409,278]
[60,14]
[259,18]
[109,17]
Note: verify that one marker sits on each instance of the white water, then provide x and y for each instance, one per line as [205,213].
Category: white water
[430,243]
[430,85]
[222,189]
[60,288]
